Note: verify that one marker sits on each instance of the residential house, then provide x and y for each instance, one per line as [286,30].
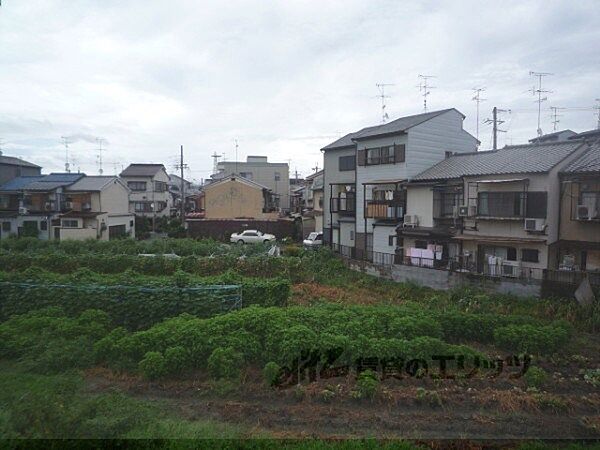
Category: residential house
[500,208]
[235,197]
[191,193]
[274,176]
[148,184]
[65,206]
[578,245]
[315,198]
[11,167]
[365,175]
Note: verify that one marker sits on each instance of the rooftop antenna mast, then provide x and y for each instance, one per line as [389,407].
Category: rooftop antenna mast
[539,91]
[555,116]
[99,157]
[236,155]
[598,108]
[215,158]
[382,96]
[424,88]
[66,144]
[477,99]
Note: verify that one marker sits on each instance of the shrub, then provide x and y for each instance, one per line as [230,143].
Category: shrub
[271,373]
[367,384]
[153,365]
[225,363]
[530,338]
[535,377]
[176,360]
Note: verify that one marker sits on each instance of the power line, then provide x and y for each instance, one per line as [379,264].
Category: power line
[424,88]
[539,91]
[382,96]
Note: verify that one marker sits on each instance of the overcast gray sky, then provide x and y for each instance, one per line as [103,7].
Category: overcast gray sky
[283,77]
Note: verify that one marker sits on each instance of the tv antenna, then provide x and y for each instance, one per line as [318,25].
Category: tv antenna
[477,99]
[382,96]
[539,91]
[555,116]
[424,88]
[215,156]
[597,107]
[99,157]
[66,144]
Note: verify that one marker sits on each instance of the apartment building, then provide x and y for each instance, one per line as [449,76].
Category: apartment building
[578,245]
[149,186]
[11,167]
[494,212]
[365,174]
[65,206]
[274,176]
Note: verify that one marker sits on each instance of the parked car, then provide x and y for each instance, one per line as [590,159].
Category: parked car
[251,237]
[314,240]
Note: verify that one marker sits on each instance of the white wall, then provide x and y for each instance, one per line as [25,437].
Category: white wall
[419,201]
[381,234]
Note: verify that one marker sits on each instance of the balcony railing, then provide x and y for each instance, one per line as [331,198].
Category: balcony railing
[574,277]
[384,209]
[343,205]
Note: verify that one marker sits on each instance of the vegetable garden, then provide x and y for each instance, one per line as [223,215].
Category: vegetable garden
[228,323]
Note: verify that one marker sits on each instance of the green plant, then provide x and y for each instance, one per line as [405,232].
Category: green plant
[592,376]
[225,363]
[530,338]
[367,384]
[176,360]
[535,377]
[153,365]
[271,373]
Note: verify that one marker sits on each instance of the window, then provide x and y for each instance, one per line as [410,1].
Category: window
[5,226]
[351,235]
[530,255]
[247,175]
[347,163]
[373,156]
[391,240]
[320,202]
[536,204]
[137,185]
[70,223]
[421,244]
[131,223]
[142,206]
[160,186]
[277,176]
[511,254]
[449,200]
[44,225]
[386,155]
[501,204]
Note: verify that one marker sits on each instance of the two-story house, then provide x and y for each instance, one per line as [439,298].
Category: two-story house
[366,173]
[578,247]
[12,167]
[97,207]
[507,203]
[149,186]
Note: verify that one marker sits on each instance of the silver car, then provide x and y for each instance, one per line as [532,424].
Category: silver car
[251,237]
[313,240]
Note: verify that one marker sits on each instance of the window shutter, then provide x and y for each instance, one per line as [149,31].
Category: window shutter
[399,153]
[362,156]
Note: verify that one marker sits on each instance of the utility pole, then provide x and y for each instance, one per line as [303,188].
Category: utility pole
[215,158]
[424,88]
[495,121]
[382,96]
[539,91]
[477,98]
[182,166]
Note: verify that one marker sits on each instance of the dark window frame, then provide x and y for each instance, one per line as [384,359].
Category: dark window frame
[530,255]
[347,163]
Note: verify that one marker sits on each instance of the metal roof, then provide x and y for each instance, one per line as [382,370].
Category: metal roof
[142,170]
[515,159]
[17,184]
[92,183]
[588,162]
[14,161]
[394,127]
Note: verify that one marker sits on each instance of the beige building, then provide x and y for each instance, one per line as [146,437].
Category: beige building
[578,247]
[235,197]
[274,176]
[149,186]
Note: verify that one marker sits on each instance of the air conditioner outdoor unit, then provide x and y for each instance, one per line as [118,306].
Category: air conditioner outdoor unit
[23,210]
[463,211]
[535,224]
[411,220]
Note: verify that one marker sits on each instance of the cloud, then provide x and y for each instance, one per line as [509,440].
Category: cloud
[284,78]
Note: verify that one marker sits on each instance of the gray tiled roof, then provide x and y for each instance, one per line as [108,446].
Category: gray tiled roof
[92,183]
[588,162]
[531,158]
[13,161]
[396,126]
[43,182]
[142,170]
[17,183]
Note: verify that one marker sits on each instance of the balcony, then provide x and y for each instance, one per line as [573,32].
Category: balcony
[384,209]
[343,205]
